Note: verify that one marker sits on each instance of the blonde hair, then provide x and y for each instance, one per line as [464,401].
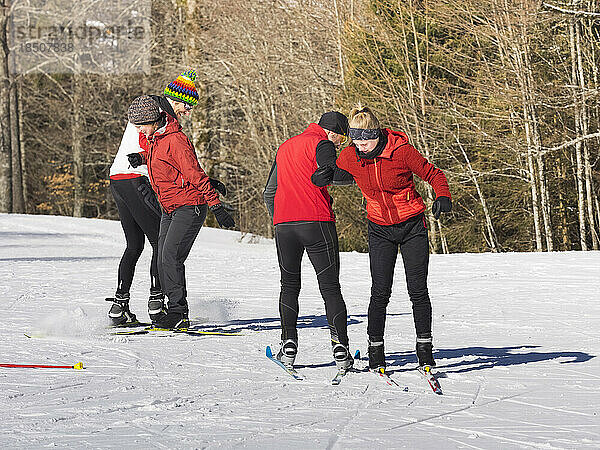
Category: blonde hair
[363,117]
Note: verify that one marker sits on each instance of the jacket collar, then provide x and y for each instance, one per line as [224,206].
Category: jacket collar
[314,128]
[171,126]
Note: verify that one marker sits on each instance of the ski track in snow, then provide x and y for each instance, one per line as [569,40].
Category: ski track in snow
[516,336]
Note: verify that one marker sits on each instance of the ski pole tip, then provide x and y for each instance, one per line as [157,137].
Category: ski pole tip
[78,366]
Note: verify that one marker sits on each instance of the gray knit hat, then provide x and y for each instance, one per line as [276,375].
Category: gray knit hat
[144,110]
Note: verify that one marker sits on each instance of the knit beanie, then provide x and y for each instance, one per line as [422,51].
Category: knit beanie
[183,88]
[143,111]
[334,121]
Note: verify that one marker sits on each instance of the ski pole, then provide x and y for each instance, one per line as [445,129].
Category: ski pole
[77,366]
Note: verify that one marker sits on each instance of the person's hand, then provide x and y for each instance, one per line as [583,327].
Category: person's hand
[322,176]
[440,205]
[135,159]
[218,186]
[223,217]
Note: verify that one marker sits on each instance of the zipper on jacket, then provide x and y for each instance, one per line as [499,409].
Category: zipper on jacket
[379,183]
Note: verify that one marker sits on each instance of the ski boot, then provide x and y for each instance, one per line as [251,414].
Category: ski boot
[376,354]
[172,321]
[342,357]
[287,352]
[119,313]
[156,305]
[424,351]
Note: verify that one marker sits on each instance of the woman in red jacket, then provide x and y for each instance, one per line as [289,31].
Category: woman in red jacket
[184,192]
[382,163]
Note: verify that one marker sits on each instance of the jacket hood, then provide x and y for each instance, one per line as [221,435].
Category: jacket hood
[395,139]
[164,104]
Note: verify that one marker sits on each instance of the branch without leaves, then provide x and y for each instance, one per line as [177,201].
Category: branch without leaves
[573,142]
[570,11]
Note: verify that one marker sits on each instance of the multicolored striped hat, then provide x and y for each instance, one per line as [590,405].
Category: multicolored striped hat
[183,88]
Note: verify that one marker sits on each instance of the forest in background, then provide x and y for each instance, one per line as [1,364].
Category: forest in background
[501,95]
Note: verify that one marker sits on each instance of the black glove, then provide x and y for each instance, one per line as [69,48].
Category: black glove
[322,176]
[440,205]
[218,186]
[135,159]
[225,220]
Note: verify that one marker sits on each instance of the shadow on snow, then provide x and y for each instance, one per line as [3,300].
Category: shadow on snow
[480,358]
[274,323]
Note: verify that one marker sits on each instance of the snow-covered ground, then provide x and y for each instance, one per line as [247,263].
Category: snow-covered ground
[517,339]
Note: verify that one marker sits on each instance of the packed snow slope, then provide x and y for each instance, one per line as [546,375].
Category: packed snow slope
[516,336]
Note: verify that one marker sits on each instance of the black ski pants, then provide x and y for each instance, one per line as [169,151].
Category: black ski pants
[139,212]
[411,237]
[178,231]
[320,241]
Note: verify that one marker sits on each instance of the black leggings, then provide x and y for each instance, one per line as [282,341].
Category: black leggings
[411,237]
[140,216]
[321,243]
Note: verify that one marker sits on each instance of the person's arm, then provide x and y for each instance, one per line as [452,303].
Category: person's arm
[271,189]
[327,171]
[135,146]
[182,151]
[432,175]
[419,165]
[144,146]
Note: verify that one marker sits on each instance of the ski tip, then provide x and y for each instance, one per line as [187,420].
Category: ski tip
[357,354]
[78,366]
[268,352]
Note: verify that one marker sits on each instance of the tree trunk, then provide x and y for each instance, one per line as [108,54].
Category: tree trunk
[528,86]
[517,52]
[578,145]
[339,43]
[76,146]
[15,144]
[562,209]
[5,149]
[22,149]
[584,131]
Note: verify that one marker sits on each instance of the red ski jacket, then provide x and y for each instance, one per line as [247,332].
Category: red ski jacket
[296,197]
[173,169]
[386,181]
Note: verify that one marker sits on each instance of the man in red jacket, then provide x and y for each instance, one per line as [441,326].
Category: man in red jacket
[184,192]
[304,220]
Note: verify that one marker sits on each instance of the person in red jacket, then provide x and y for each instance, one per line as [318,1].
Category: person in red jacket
[304,220]
[138,208]
[183,191]
[382,163]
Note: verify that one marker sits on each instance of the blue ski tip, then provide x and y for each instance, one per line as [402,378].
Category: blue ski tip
[357,354]
[268,352]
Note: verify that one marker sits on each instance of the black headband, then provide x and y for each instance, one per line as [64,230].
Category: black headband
[364,134]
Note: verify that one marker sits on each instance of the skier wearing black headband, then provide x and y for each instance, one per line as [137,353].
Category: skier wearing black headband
[304,220]
[382,164]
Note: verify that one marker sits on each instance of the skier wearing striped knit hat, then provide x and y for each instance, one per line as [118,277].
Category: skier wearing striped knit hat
[138,208]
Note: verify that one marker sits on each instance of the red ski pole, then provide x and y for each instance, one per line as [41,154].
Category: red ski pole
[77,366]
